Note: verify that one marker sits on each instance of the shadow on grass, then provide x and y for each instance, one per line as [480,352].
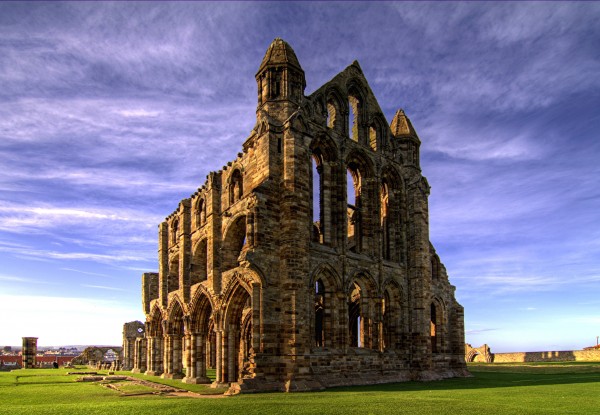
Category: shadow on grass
[481,380]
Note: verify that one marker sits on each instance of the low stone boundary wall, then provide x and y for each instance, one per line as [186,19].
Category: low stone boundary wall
[553,356]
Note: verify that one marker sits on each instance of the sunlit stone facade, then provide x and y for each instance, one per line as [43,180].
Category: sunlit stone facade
[305,262]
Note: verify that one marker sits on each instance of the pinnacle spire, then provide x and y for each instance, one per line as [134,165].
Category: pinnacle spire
[280,53]
[401,125]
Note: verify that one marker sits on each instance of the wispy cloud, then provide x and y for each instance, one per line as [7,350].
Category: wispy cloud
[478,331]
[107,258]
[102,287]
[12,278]
[97,274]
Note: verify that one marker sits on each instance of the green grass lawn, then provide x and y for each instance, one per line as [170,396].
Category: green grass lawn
[549,388]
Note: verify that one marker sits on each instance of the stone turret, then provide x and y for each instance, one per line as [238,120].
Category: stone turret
[406,139]
[280,80]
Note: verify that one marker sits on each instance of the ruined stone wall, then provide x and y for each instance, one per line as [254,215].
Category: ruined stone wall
[131,332]
[29,352]
[280,278]
[549,356]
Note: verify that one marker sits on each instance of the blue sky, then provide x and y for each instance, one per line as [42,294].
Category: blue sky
[110,113]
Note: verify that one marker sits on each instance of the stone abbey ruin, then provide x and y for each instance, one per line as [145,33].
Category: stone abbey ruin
[276,276]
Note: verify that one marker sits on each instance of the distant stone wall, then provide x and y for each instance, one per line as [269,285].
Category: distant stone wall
[553,356]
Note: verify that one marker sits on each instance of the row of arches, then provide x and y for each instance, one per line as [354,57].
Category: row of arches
[360,316]
[234,242]
[235,192]
[185,345]
[373,217]
[347,113]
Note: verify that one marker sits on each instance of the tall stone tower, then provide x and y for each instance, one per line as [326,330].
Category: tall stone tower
[305,262]
[29,352]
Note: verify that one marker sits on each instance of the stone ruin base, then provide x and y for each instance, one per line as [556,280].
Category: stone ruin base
[322,382]
[199,380]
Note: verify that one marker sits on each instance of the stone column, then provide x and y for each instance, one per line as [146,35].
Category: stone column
[190,356]
[220,361]
[232,356]
[149,355]
[139,355]
[200,362]
[256,320]
[172,367]
[379,320]
[196,370]
[154,359]
[29,352]
[177,363]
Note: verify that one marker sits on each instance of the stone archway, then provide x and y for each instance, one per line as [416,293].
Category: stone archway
[239,328]
[478,354]
[198,335]
[154,343]
[173,343]
[233,344]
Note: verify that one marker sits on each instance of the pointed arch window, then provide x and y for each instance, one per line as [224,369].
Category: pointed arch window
[386,318]
[353,118]
[200,212]
[433,326]
[319,313]
[353,192]
[175,231]
[236,187]
[317,198]
[384,215]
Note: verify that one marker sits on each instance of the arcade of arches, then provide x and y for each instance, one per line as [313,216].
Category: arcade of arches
[304,263]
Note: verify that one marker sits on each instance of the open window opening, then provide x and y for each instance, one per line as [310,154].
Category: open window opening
[434,329]
[354,106]
[175,231]
[234,243]
[384,215]
[317,199]
[200,213]
[354,317]
[173,276]
[319,313]
[353,192]
[236,187]
[199,265]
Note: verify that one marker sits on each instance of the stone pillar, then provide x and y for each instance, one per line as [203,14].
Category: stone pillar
[154,360]
[163,263]
[379,321]
[139,356]
[176,356]
[419,278]
[220,360]
[172,357]
[196,370]
[232,356]
[256,320]
[190,356]
[200,362]
[185,249]
[29,352]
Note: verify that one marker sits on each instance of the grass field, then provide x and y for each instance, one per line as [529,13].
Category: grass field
[546,388]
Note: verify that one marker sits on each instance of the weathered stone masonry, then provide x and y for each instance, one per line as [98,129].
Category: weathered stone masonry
[279,278]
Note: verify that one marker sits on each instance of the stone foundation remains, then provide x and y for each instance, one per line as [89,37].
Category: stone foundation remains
[483,354]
